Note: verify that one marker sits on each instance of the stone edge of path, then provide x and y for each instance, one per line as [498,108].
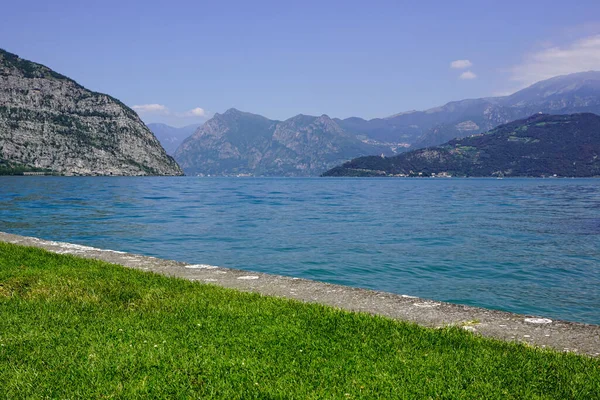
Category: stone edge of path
[533,330]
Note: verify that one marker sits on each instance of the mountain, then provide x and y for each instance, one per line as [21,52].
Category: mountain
[541,145]
[170,137]
[240,143]
[50,122]
[567,94]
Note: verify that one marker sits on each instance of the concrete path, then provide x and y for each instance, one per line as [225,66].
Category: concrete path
[535,330]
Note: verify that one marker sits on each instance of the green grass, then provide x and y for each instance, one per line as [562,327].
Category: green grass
[72,328]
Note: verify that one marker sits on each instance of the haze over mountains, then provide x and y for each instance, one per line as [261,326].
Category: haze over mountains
[171,137]
[574,93]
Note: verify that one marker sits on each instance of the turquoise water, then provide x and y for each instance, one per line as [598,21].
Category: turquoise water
[530,246]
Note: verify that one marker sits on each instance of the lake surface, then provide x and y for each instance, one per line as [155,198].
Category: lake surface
[529,246]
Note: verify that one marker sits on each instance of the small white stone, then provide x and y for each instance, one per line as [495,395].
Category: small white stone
[248,277]
[538,320]
[201,266]
[526,336]
[426,304]
[407,296]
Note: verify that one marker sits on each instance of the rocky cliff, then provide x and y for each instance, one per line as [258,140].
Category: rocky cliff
[48,121]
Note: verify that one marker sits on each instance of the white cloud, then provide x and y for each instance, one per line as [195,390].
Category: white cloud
[467,75]
[151,109]
[162,112]
[195,112]
[581,55]
[461,64]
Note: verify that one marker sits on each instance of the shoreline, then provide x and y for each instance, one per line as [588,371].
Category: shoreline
[534,330]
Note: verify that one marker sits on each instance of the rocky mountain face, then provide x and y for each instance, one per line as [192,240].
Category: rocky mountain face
[574,93]
[240,143]
[170,137]
[48,121]
[541,145]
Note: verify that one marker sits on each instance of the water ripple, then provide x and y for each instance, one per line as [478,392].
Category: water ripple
[525,245]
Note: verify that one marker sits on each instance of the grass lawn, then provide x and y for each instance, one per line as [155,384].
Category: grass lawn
[78,329]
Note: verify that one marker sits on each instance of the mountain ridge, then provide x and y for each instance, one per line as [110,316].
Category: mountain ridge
[398,133]
[540,145]
[564,94]
[242,143]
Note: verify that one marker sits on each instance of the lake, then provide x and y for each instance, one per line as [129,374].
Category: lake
[530,246]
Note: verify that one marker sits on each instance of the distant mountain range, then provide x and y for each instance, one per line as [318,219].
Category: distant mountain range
[242,143]
[50,123]
[171,137]
[541,145]
[574,93]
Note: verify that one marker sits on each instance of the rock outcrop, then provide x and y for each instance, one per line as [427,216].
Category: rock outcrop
[48,121]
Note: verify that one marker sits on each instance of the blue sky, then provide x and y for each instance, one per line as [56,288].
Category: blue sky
[181,61]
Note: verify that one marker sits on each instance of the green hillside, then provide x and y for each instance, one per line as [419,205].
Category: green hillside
[541,145]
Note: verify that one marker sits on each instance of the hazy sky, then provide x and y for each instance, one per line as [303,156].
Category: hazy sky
[181,61]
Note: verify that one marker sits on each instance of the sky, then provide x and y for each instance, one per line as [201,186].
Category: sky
[179,62]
